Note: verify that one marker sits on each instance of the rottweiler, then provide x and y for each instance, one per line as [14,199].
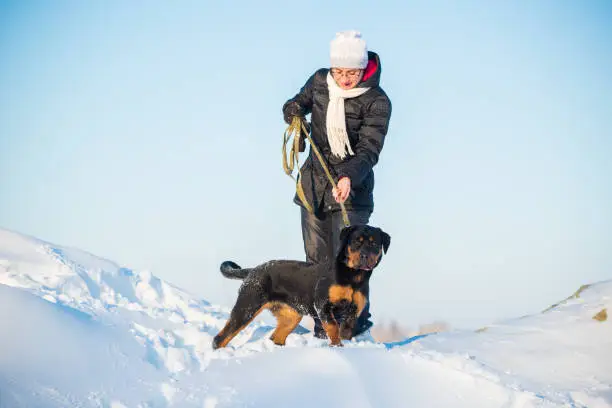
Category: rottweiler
[291,289]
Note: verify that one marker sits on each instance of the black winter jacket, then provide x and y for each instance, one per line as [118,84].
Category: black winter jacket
[367,122]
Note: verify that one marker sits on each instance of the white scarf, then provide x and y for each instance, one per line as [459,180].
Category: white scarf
[336,122]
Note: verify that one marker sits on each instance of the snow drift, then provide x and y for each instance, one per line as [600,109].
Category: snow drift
[79,330]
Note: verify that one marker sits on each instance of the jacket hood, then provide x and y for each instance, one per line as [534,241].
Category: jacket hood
[371,78]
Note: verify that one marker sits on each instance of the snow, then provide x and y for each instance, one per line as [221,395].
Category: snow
[79,330]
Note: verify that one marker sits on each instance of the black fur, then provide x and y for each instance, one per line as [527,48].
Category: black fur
[290,289]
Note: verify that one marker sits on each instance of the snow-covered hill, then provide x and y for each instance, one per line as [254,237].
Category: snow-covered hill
[79,330]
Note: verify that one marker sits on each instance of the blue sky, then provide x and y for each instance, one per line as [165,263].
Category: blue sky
[151,135]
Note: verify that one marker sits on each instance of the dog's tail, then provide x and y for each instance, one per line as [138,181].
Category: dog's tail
[231,270]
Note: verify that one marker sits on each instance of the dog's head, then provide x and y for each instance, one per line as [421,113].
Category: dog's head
[362,246]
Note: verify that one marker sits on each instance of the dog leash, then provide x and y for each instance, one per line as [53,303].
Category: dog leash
[294,129]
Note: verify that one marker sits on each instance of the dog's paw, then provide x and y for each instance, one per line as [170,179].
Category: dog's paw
[277,341]
[347,329]
[346,333]
[216,343]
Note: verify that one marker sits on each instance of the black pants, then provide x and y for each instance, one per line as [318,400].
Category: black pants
[321,235]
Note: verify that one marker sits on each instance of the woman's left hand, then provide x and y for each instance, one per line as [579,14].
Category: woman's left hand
[342,190]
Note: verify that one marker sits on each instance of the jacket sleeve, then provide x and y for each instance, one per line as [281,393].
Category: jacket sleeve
[301,103]
[371,139]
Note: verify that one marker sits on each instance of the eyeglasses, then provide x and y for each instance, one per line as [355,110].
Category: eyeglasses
[351,73]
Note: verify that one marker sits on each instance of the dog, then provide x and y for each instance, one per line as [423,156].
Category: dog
[290,289]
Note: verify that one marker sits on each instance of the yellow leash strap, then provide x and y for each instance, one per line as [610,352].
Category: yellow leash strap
[294,129]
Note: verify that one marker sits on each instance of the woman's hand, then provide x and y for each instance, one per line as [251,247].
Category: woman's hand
[292,109]
[342,190]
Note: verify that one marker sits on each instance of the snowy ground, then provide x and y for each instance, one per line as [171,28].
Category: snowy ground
[78,330]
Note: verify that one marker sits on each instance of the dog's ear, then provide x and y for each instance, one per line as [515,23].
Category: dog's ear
[386,240]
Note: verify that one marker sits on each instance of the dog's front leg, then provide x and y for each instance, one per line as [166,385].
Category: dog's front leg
[347,327]
[330,325]
[346,314]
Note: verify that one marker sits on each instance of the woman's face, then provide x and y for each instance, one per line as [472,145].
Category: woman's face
[347,78]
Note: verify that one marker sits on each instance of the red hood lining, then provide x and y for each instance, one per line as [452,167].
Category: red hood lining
[370,70]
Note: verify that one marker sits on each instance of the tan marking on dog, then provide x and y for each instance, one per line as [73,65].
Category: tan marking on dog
[287,319]
[352,258]
[333,332]
[358,278]
[338,293]
[360,300]
[228,336]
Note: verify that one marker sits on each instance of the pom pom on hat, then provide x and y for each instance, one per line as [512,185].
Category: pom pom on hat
[348,50]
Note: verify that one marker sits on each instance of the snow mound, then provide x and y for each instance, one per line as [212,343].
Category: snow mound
[79,330]
[563,354]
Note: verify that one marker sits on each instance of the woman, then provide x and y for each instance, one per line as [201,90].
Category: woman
[349,120]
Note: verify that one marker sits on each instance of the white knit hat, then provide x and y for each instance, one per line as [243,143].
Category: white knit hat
[348,50]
